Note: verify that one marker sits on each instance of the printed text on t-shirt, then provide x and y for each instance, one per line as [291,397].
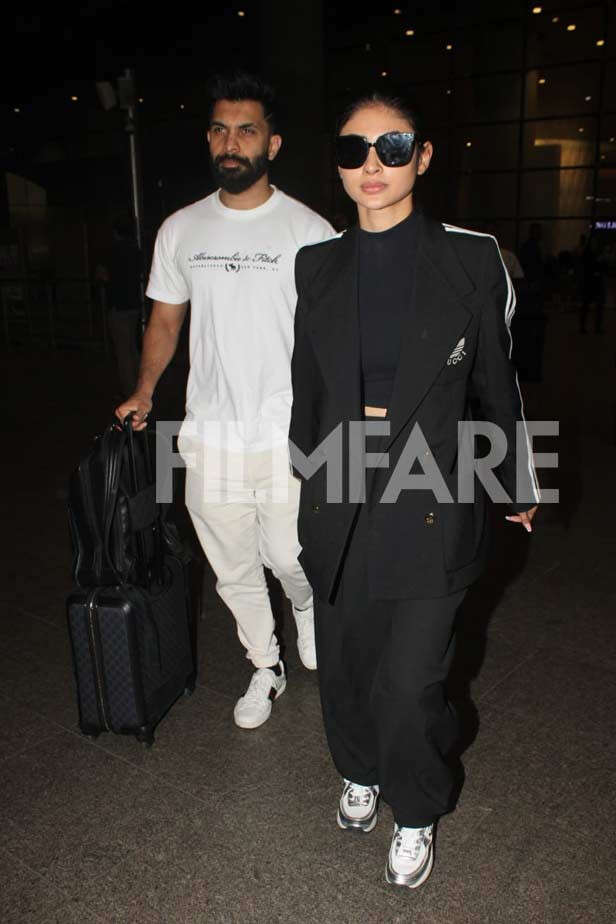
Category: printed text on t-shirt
[236,262]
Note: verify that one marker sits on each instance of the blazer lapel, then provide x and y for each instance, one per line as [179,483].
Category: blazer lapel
[334,326]
[436,322]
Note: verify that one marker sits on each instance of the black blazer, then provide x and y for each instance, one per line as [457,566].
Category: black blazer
[462,307]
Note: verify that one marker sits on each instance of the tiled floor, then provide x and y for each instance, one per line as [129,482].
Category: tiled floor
[215,824]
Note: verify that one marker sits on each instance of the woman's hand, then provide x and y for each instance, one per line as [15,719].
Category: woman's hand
[524,518]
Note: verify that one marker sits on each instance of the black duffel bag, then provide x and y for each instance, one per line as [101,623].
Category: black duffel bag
[113,523]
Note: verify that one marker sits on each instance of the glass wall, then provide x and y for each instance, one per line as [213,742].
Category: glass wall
[520,104]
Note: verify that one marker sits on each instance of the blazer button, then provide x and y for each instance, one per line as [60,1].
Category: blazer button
[315,508]
[429,519]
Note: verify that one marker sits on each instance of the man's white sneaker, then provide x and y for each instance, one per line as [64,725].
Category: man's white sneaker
[358,807]
[411,856]
[255,706]
[304,620]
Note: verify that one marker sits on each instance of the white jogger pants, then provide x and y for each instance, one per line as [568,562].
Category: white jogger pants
[244,509]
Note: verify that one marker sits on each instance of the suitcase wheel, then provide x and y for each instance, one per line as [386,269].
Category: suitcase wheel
[146,737]
[91,736]
[189,690]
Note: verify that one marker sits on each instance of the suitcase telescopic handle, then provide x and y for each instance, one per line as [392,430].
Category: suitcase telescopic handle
[158,534]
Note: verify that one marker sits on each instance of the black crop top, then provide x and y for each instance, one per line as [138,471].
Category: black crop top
[386,280]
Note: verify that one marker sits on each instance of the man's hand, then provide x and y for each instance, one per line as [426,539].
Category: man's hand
[524,518]
[140,405]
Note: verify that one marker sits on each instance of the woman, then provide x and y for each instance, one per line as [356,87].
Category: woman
[399,322]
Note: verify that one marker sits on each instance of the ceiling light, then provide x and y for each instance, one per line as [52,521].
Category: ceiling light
[588,98]
[141,99]
[397,12]
[241,13]
[603,157]
[612,139]
[555,18]
[17,109]
[181,105]
[537,9]
[469,144]
[580,129]
[571,27]
[448,92]
[600,43]
[448,47]
[383,73]
[74,99]
[541,80]
[410,32]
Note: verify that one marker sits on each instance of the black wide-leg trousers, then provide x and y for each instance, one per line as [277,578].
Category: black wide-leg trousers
[382,668]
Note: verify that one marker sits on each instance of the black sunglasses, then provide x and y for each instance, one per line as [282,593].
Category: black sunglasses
[394,149]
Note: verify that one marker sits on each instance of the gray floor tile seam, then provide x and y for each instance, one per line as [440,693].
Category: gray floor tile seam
[41,715]
[48,622]
[484,696]
[581,664]
[55,667]
[57,891]
[594,674]
[593,759]
[160,778]
[9,854]
[30,747]
[53,888]
[6,694]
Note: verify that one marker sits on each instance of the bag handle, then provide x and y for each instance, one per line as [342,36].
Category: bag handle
[157,526]
[113,453]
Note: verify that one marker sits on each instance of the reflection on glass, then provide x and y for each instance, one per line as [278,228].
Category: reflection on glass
[607,144]
[563,92]
[557,193]
[486,195]
[606,193]
[569,37]
[487,147]
[488,98]
[558,235]
[559,143]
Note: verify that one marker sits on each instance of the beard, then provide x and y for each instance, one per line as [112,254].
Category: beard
[238,179]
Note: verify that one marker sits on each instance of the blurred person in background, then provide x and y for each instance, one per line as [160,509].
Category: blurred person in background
[593,284]
[533,260]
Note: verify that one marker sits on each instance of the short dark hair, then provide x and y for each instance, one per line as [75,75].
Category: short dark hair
[237,85]
[398,104]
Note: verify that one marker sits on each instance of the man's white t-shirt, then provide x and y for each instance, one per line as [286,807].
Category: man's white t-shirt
[236,267]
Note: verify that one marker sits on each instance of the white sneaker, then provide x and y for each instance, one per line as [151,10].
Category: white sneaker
[255,706]
[304,620]
[411,856]
[358,807]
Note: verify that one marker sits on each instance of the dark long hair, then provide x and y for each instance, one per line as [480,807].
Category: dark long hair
[398,104]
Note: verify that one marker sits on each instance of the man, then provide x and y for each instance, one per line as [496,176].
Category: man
[232,256]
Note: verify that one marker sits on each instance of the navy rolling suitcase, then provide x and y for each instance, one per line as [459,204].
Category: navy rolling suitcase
[133,644]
